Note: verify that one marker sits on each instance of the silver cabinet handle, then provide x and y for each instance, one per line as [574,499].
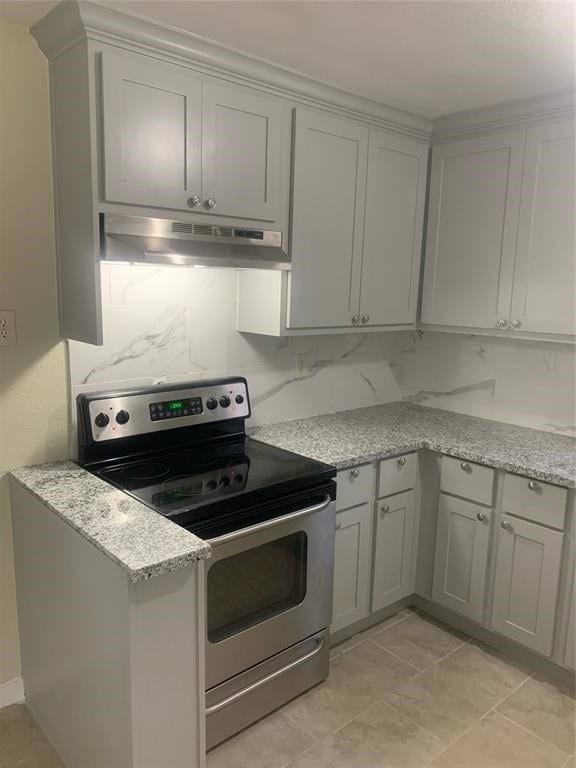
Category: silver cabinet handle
[354,473]
[515,324]
[365,318]
[465,466]
[211,203]
[227,537]
[259,683]
[338,526]
[193,201]
[502,324]
[481,516]
[401,461]
[506,524]
[533,486]
[384,509]
[355,319]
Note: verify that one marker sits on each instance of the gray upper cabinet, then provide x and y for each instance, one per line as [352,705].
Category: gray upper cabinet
[395,195]
[545,279]
[328,188]
[174,140]
[245,137]
[152,122]
[473,215]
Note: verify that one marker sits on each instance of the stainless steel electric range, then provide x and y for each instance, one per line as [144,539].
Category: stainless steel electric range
[268,514]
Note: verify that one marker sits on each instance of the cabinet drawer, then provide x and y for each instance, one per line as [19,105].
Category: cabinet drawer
[533,500]
[355,486]
[397,475]
[462,478]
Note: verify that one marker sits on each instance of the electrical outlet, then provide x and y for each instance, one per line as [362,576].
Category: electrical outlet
[302,362]
[7,328]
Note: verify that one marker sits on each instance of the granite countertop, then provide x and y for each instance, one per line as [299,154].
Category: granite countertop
[145,544]
[142,542]
[350,438]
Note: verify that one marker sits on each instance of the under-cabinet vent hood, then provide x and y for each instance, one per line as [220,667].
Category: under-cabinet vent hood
[184,243]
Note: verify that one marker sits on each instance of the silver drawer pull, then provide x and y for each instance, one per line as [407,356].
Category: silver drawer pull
[338,526]
[481,516]
[354,473]
[465,466]
[533,486]
[401,461]
[506,524]
[384,509]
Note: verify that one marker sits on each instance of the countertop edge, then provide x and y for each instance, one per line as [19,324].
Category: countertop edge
[203,550]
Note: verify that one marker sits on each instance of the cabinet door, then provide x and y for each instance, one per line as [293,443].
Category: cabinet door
[152,133]
[545,278]
[394,550]
[329,180]
[245,153]
[473,215]
[395,194]
[461,558]
[526,583]
[570,648]
[352,566]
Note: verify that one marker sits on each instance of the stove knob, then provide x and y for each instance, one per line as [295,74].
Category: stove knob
[238,479]
[224,482]
[211,403]
[102,420]
[211,485]
[239,399]
[224,401]
[122,417]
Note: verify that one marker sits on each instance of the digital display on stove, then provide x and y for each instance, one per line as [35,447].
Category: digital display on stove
[171,409]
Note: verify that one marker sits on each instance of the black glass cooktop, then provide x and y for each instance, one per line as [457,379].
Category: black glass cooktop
[194,486]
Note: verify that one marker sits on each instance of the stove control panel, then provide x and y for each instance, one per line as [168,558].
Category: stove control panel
[139,412]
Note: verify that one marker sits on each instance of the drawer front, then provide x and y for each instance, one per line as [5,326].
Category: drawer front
[397,475]
[462,478]
[355,486]
[533,500]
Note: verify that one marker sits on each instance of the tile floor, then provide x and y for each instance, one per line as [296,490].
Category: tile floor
[408,693]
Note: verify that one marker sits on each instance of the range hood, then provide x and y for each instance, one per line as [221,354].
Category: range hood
[184,243]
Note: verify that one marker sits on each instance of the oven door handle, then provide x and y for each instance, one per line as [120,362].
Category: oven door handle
[272,676]
[270,523]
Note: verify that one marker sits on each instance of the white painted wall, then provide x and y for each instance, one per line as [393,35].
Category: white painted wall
[33,379]
[168,323]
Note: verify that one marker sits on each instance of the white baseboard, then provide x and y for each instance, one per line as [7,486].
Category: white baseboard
[12,692]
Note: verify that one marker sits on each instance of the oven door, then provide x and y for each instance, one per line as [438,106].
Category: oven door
[268,587]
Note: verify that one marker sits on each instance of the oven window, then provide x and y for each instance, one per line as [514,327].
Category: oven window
[256,584]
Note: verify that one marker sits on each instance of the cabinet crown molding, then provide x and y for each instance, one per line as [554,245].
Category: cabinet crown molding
[72,21]
[499,117]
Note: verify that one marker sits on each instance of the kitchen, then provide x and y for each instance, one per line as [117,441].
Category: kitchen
[450,425]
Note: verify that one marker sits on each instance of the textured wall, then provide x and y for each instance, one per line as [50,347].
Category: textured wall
[33,379]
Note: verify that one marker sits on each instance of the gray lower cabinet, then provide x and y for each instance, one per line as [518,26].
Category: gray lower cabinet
[352,566]
[461,558]
[394,549]
[526,582]
[570,648]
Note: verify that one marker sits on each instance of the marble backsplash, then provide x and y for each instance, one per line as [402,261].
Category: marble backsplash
[170,324]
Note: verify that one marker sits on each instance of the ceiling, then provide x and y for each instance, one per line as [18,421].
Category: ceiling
[428,57]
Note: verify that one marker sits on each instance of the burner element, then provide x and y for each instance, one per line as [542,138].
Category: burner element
[146,471]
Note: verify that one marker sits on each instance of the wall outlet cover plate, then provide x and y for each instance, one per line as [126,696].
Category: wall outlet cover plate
[7,328]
